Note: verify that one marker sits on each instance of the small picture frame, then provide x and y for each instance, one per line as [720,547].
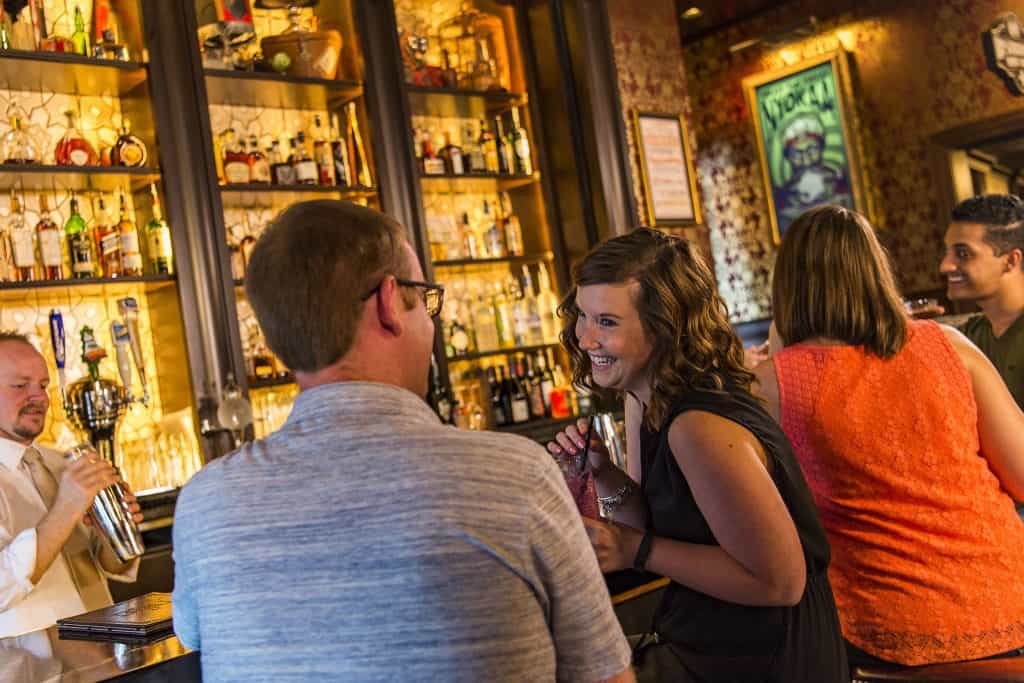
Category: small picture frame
[805,141]
[666,169]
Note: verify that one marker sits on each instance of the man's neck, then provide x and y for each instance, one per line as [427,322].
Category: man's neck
[349,370]
[1003,308]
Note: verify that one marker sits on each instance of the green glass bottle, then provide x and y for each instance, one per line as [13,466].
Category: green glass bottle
[158,235]
[80,39]
[83,259]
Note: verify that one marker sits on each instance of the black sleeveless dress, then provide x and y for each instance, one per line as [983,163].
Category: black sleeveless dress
[723,642]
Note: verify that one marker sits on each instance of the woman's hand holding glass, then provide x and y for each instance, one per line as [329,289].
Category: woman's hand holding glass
[568,448]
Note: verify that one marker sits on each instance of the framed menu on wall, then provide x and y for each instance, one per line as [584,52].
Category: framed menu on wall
[670,189]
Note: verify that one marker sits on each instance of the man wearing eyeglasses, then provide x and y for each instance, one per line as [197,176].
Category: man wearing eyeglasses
[365,540]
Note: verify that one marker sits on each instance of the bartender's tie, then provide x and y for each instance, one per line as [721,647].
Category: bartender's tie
[90,583]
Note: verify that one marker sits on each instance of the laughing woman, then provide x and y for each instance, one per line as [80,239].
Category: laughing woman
[714,499]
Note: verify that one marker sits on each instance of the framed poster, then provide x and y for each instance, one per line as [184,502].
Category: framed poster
[670,190]
[804,139]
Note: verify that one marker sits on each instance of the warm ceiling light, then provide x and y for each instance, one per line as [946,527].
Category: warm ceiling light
[693,13]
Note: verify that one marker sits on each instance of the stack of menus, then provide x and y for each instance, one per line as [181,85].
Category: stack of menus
[144,619]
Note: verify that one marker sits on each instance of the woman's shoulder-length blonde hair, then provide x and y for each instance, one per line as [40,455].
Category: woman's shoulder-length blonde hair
[683,317]
[833,280]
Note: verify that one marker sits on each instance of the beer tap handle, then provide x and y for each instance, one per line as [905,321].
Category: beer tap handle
[122,343]
[129,309]
[59,350]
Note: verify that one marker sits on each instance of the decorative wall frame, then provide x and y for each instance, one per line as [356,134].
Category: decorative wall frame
[666,169]
[805,140]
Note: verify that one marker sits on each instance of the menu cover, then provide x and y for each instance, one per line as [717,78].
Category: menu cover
[146,617]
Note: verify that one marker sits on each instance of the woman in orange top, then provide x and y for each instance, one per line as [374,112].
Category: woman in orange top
[911,445]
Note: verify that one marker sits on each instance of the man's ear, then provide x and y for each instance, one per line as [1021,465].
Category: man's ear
[389,306]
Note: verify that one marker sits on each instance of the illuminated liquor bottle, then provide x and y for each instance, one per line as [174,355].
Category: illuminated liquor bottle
[22,243]
[73,149]
[547,306]
[236,160]
[129,150]
[306,172]
[80,38]
[510,224]
[505,162]
[357,151]
[80,246]
[520,146]
[158,239]
[108,243]
[488,148]
[452,155]
[259,167]
[131,254]
[19,145]
[281,172]
[48,236]
[339,153]
[322,154]
[432,164]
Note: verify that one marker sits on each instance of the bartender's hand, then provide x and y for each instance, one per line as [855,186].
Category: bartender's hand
[81,480]
[614,544]
[568,447]
[131,504]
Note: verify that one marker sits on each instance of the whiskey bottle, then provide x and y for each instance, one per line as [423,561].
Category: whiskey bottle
[22,245]
[131,254]
[129,150]
[534,327]
[432,164]
[483,73]
[533,387]
[108,244]
[48,237]
[520,146]
[505,162]
[452,155]
[495,247]
[281,172]
[483,325]
[357,151]
[80,247]
[322,154]
[469,238]
[510,224]
[505,393]
[497,411]
[306,172]
[471,150]
[158,239]
[488,148]
[547,381]
[236,160]
[339,152]
[73,149]
[520,399]
[259,167]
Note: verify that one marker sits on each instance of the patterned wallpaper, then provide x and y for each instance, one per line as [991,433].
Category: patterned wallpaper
[911,80]
[649,61]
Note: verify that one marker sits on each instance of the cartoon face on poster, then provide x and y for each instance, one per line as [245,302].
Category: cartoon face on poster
[804,140]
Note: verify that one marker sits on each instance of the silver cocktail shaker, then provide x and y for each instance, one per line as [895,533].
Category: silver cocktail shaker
[111,517]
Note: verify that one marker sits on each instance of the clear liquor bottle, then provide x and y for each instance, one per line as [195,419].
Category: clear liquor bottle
[511,227]
[322,154]
[339,153]
[19,145]
[259,167]
[523,161]
[22,243]
[306,172]
[49,239]
[505,161]
[73,149]
[131,254]
[488,148]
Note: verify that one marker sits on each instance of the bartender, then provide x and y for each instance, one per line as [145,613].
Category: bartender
[52,563]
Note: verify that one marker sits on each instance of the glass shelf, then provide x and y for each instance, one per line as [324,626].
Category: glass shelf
[87,287]
[476,182]
[63,72]
[524,258]
[262,194]
[271,90]
[52,177]
[512,350]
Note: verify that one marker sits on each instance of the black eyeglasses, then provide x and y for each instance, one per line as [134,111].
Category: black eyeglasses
[432,294]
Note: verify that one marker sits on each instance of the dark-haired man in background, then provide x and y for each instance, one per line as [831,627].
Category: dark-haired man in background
[984,265]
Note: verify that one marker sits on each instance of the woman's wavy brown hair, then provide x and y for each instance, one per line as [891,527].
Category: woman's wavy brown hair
[685,321]
[833,280]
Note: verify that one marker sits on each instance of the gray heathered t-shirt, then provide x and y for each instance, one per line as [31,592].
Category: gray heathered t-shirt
[365,541]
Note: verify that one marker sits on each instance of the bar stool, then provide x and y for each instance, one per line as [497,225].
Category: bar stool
[1006,670]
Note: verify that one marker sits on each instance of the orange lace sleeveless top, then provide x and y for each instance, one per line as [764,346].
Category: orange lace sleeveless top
[927,549]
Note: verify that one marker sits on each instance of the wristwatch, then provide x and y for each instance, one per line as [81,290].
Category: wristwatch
[643,550]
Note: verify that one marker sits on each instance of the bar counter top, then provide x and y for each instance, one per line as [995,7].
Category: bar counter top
[42,656]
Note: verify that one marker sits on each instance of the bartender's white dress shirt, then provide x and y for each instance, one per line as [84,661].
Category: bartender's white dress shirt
[26,607]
